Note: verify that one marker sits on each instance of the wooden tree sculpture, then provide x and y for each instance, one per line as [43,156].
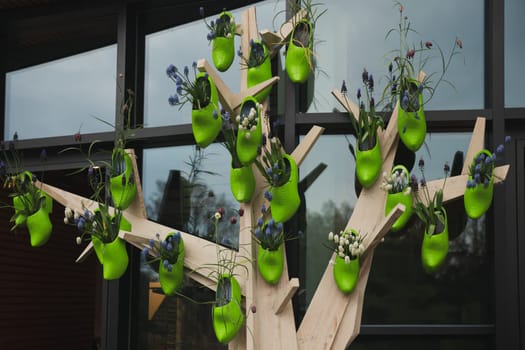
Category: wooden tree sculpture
[333,319]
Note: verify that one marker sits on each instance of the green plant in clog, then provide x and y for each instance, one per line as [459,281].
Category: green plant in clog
[429,209]
[122,182]
[480,184]
[170,253]
[39,226]
[206,122]
[434,248]
[407,81]
[299,55]
[411,121]
[227,315]
[102,227]
[366,127]
[221,35]
[242,183]
[348,247]
[259,68]
[281,173]
[270,258]
[397,186]
[249,136]
[368,164]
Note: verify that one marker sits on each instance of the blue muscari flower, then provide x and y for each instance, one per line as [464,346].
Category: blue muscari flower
[358,94]
[169,246]
[176,237]
[152,243]
[80,224]
[165,263]
[404,100]
[86,214]
[271,223]
[268,195]
[173,100]
[171,70]
[280,226]
[275,165]
[239,53]
[263,209]
[170,267]
[486,182]
[178,81]
[477,177]
[488,160]
[481,157]
[500,149]
[423,182]
[210,36]
[194,65]
[477,168]
[260,221]
[212,24]
[215,114]
[275,178]
[493,157]
[163,244]
[507,139]
[179,90]
[268,232]
[420,87]
[226,116]
[145,251]
[186,71]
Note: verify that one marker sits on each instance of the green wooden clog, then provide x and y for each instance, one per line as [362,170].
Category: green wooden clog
[285,199]
[434,248]
[123,188]
[478,198]
[299,53]
[227,315]
[249,141]
[223,48]
[393,199]
[270,264]
[368,165]
[171,281]
[412,126]
[206,124]
[260,73]
[242,183]
[39,226]
[346,275]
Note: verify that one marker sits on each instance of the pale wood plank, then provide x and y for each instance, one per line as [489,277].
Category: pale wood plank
[286,295]
[85,253]
[347,104]
[304,147]
[477,143]
[254,90]
[225,94]
[137,207]
[274,40]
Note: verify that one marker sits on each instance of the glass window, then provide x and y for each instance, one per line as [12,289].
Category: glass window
[351,37]
[442,342]
[62,97]
[514,51]
[329,201]
[173,47]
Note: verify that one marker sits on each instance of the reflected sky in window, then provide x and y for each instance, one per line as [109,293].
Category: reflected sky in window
[62,97]
[514,47]
[173,47]
[350,37]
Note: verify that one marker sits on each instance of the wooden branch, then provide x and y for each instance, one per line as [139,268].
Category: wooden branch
[302,150]
[225,94]
[347,104]
[286,295]
[137,207]
[155,300]
[477,143]
[274,40]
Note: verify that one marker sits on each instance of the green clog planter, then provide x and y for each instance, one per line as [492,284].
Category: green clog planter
[247,146]
[242,183]
[434,249]
[123,191]
[392,199]
[299,53]
[39,226]
[260,73]
[113,256]
[171,281]
[346,275]
[227,315]
[479,198]
[285,199]
[270,264]
[368,165]
[412,131]
[223,50]
[204,124]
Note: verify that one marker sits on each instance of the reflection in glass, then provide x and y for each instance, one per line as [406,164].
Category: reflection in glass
[66,94]
[183,187]
[329,201]
[352,36]
[173,47]
[514,52]
[422,342]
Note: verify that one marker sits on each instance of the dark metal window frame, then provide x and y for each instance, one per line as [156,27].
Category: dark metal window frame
[121,297]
